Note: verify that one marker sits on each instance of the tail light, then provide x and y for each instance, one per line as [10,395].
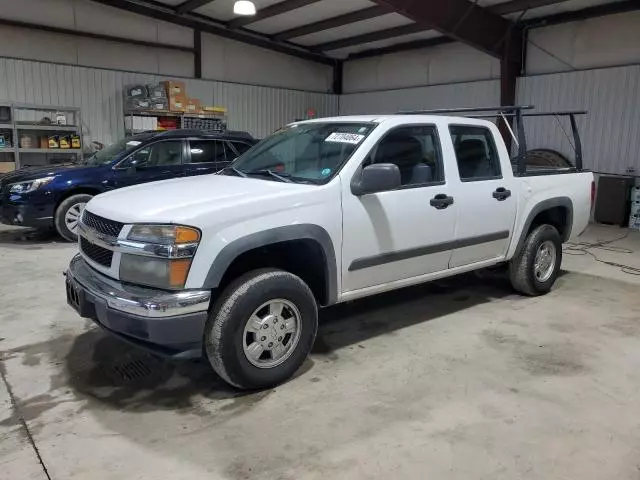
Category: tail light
[593,194]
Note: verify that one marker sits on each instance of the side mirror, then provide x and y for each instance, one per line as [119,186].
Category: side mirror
[379,177]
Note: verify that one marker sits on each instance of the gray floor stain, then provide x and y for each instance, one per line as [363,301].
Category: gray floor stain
[551,359]
[627,327]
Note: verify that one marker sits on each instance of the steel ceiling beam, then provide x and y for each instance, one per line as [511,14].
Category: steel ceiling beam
[190,5]
[334,22]
[379,10]
[500,9]
[401,47]
[370,37]
[198,22]
[509,7]
[271,11]
[520,5]
[459,19]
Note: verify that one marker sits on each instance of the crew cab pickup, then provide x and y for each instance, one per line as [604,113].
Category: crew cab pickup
[235,265]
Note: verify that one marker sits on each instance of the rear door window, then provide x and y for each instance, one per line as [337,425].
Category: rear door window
[210,151]
[476,153]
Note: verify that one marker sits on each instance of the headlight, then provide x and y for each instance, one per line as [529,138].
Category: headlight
[164,234]
[165,255]
[30,186]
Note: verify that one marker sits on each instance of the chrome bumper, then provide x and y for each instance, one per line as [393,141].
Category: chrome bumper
[140,301]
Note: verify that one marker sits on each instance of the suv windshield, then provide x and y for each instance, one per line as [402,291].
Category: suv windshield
[306,153]
[109,153]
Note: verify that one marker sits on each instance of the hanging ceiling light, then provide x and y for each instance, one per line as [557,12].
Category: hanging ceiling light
[244,7]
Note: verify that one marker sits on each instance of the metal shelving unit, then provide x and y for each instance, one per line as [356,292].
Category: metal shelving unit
[50,150]
[222,117]
[56,128]
[25,119]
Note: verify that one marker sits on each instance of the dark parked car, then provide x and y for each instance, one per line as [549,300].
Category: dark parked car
[54,195]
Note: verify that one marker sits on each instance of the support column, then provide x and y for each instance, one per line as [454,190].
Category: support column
[197,53]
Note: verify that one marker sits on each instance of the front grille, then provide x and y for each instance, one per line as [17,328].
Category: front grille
[96,253]
[102,225]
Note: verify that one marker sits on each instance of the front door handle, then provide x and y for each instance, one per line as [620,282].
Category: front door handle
[441,201]
[501,194]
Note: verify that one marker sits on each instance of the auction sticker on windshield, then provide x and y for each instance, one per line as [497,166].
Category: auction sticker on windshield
[338,137]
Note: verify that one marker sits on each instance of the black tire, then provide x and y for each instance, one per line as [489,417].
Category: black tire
[225,327]
[521,267]
[61,212]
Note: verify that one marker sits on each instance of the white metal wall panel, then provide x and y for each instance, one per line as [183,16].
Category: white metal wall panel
[609,132]
[230,61]
[99,94]
[30,44]
[607,41]
[85,15]
[472,94]
[444,64]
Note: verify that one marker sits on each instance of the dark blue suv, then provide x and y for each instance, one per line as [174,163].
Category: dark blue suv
[54,195]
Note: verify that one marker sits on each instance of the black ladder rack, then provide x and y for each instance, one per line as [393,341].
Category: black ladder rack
[515,111]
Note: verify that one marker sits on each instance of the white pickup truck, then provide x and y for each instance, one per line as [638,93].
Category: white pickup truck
[235,265]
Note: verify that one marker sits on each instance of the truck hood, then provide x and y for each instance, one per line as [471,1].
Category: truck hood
[192,200]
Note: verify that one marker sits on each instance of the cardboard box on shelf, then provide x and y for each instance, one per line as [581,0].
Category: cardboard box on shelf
[137,91]
[178,103]
[28,140]
[138,104]
[167,123]
[213,109]
[174,88]
[193,105]
[6,167]
[157,91]
[161,104]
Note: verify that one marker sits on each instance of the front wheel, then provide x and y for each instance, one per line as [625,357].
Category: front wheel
[535,269]
[68,215]
[261,329]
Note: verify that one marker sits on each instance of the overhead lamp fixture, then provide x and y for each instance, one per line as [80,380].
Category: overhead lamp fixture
[244,7]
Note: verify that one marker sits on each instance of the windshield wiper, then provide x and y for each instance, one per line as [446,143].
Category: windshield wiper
[239,173]
[281,177]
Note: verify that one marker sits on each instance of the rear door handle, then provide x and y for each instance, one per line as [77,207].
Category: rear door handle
[441,201]
[501,194]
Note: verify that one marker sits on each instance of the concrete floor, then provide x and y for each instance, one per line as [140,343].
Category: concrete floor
[459,379]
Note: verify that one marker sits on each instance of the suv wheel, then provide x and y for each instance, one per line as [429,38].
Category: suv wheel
[261,329]
[68,215]
[535,269]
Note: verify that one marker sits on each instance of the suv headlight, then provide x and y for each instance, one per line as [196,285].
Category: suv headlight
[31,185]
[163,255]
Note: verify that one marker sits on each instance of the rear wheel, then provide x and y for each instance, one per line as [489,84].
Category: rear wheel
[261,329]
[68,215]
[535,269]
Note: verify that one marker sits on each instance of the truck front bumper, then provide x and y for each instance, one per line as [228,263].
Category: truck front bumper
[168,323]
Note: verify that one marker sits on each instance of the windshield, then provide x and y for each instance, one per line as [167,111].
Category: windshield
[109,153]
[305,153]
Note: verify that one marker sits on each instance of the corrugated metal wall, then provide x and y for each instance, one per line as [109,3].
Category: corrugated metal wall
[99,93]
[438,96]
[610,136]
